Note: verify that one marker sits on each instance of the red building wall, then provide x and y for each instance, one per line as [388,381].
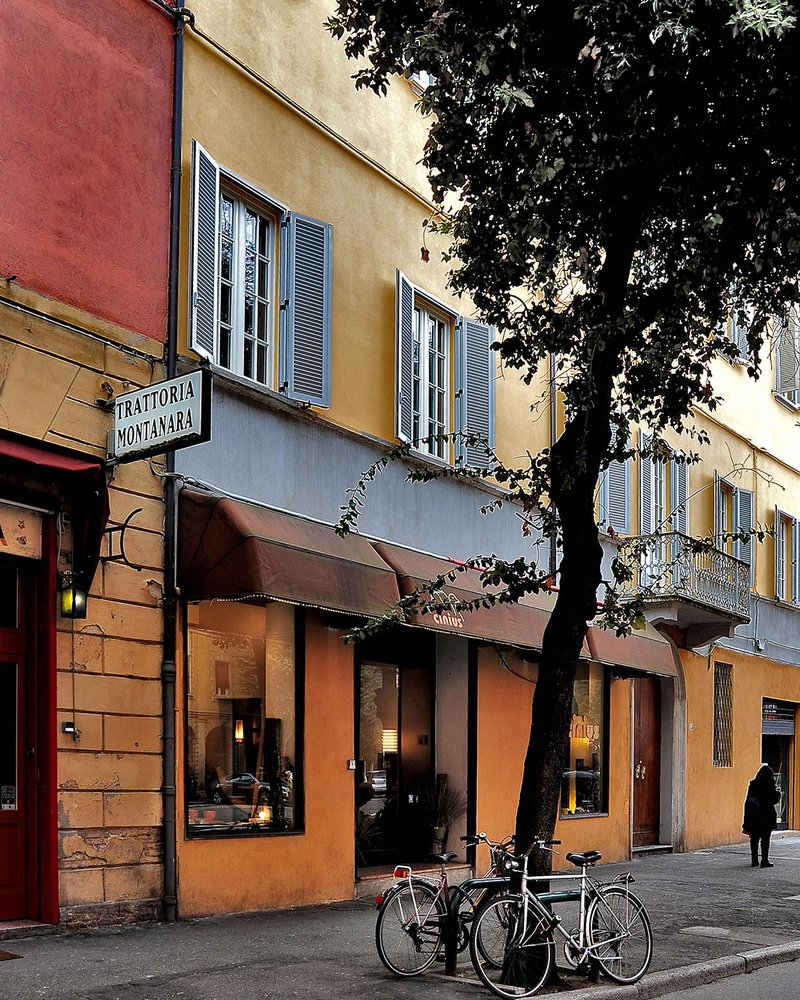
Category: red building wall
[85,130]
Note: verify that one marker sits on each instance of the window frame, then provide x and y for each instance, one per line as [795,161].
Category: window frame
[787,386]
[194,832]
[787,558]
[604,751]
[722,742]
[301,364]
[423,387]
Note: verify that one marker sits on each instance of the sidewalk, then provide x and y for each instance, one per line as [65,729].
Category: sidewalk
[712,915]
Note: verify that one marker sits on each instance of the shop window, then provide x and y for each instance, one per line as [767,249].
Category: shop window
[723,715]
[583,788]
[243,767]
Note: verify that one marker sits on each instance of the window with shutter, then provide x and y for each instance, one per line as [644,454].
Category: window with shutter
[615,490]
[787,551]
[267,324]
[646,523]
[744,547]
[787,362]
[444,378]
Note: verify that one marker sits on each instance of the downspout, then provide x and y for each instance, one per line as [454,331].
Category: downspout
[168,670]
[553,431]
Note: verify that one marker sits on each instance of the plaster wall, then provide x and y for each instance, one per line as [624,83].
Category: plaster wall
[715,795]
[84,216]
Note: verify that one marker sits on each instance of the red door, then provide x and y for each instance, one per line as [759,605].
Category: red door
[17,803]
[646,761]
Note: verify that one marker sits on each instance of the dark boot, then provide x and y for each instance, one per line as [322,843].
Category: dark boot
[767,864]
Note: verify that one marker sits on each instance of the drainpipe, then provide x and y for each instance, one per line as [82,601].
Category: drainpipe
[553,432]
[168,670]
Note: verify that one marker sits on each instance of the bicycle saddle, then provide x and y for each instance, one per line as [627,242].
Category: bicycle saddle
[587,858]
[444,858]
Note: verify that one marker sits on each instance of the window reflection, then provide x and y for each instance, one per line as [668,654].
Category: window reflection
[242,740]
[582,784]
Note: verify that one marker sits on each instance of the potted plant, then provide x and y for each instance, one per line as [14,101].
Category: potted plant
[445,805]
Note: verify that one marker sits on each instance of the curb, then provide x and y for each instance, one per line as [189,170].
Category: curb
[688,976]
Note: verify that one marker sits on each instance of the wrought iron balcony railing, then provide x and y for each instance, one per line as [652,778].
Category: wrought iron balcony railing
[668,565]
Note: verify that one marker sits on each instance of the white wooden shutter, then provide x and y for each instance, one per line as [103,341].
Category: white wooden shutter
[205,252]
[780,555]
[305,353]
[795,561]
[787,361]
[475,370]
[744,521]
[645,488]
[404,379]
[679,497]
[615,493]
[719,518]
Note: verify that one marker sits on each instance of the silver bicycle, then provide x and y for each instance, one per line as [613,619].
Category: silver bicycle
[512,944]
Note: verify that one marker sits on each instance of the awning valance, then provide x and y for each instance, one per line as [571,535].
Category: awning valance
[44,475]
[644,651]
[230,548]
[521,624]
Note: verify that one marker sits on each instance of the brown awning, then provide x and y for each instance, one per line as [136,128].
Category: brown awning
[229,548]
[644,651]
[521,624]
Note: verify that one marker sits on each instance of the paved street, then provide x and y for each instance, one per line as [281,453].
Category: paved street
[708,909]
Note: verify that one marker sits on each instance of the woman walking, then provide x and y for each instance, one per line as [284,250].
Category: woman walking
[760,818]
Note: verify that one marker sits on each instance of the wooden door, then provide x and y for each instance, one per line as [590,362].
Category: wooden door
[646,761]
[16,800]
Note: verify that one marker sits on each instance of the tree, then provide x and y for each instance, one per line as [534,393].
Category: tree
[614,178]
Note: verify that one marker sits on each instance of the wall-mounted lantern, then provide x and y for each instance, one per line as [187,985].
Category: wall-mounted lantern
[73,595]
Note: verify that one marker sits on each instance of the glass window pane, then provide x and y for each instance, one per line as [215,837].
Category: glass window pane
[248,358]
[225,215]
[582,784]
[250,229]
[243,765]
[225,304]
[225,347]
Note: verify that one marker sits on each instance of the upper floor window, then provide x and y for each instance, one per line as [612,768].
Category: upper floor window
[736,326]
[445,379]
[787,361]
[663,493]
[787,551]
[614,489]
[261,286]
[734,516]
[430,405]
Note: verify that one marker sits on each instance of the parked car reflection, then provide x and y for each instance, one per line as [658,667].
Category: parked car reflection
[244,787]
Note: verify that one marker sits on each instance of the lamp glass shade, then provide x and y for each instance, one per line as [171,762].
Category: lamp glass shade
[73,602]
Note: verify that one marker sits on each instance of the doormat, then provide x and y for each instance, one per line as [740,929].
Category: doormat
[6,955]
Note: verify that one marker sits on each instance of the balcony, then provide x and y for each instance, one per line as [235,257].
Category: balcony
[705,593]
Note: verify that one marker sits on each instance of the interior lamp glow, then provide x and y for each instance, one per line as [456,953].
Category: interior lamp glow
[73,596]
[390,741]
[238,732]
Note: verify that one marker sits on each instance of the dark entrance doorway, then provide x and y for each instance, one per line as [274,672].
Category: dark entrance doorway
[394,723]
[778,723]
[646,761]
[17,748]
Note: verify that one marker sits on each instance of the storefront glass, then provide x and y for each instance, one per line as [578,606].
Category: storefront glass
[583,784]
[242,740]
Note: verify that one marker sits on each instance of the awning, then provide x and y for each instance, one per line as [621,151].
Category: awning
[45,475]
[521,624]
[230,548]
[644,651]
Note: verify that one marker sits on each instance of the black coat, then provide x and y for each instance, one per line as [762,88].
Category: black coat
[760,816]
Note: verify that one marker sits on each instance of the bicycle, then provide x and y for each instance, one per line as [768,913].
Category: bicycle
[512,946]
[413,913]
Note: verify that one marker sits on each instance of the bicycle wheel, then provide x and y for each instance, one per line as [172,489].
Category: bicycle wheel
[408,934]
[469,907]
[511,959]
[619,934]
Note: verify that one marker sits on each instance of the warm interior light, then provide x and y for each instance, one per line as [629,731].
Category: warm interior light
[264,814]
[390,741]
[73,597]
[238,732]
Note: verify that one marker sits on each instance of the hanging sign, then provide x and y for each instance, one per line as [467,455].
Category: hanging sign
[162,417]
[20,532]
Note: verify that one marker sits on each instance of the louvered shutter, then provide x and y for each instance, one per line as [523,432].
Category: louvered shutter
[308,293]
[795,561]
[205,252]
[617,488]
[475,389]
[787,362]
[679,499]
[404,379]
[740,339]
[780,555]
[719,520]
[745,522]
[645,489]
